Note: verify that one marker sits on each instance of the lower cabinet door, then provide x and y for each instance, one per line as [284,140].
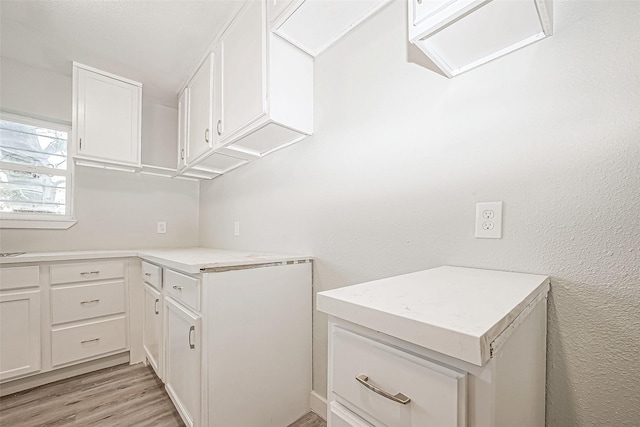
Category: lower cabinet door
[19,333]
[339,416]
[152,331]
[182,365]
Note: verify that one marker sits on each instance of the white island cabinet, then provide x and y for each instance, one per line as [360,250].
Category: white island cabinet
[446,347]
[237,348]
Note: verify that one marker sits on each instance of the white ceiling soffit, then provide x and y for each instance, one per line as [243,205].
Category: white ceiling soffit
[156,42]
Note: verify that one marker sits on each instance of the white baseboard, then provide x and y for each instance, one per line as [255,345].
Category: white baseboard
[319,405]
[62,373]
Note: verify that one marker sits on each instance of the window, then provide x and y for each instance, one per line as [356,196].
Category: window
[35,174]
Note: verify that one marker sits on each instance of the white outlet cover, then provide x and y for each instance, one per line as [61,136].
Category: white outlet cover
[489,220]
[162,227]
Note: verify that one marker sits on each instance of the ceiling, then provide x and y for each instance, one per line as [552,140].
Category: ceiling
[156,42]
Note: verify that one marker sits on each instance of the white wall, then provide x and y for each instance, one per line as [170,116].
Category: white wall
[389,181]
[118,210]
[114,209]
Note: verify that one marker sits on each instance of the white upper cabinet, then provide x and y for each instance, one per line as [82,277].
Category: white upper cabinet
[183,106]
[200,133]
[252,96]
[458,35]
[267,88]
[243,70]
[106,118]
[314,25]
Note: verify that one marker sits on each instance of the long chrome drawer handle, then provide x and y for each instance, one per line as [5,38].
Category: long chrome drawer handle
[93,301]
[90,272]
[178,288]
[400,398]
[86,341]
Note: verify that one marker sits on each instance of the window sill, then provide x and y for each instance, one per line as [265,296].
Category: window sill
[43,224]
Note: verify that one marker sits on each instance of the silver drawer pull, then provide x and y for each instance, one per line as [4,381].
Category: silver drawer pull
[191,329]
[147,274]
[156,306]
[86,341]
[178,288]
[400,398]
[93,301]
[84,273]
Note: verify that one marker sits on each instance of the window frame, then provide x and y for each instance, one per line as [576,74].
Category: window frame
[43,220]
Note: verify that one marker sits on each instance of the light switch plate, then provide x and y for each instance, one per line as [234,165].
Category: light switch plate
[489,220]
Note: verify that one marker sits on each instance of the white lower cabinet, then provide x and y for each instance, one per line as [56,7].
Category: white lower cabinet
[19,333]
[423,349]
[61,318]
[183,372]
[88,311]
[152,339]
[237,342]
[87,340]
[394,387]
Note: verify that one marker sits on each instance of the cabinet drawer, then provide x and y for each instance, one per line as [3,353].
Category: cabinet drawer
[19,277]
[69,273]
[152,274]
[339,416]
[183,288]
[87,301]
[437,393]
[89,340]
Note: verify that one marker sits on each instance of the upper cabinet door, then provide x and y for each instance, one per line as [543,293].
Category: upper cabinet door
[243,50]
[200,100]
[183,121]
[107,117]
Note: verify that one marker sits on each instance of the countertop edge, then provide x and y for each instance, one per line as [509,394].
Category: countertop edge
[248,258]
[471,348]
[402,327]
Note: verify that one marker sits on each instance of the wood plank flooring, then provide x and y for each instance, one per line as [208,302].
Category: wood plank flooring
[121,396]
[309,420]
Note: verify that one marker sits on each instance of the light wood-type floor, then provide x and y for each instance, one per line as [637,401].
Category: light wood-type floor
[121,396]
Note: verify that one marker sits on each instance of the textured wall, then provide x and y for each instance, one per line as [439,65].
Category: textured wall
[389,181]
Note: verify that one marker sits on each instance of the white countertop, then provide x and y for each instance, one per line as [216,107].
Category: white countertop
[188,260]
[67,255]
[452,310]
[194,260]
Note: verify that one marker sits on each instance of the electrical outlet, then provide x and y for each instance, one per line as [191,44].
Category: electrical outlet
[236,228]
[489,220]
[162,227]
